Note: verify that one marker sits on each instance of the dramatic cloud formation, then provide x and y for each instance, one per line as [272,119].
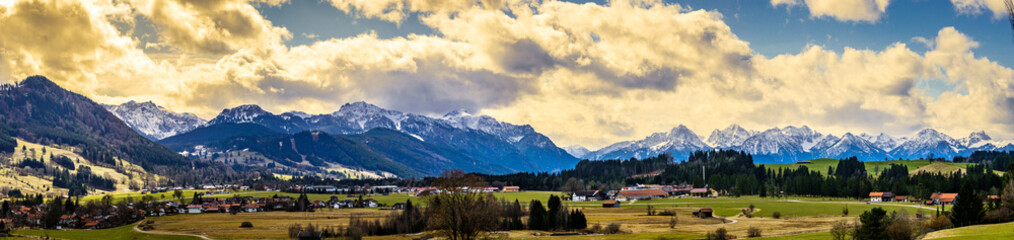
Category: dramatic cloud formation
[582,73]
[843,10]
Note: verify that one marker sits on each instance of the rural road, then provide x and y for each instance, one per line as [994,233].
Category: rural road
[168,233]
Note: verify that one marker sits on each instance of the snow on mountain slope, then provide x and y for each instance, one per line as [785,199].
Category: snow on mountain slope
[153,121]
[851,145]
[976,139]
[518,147]
[790,140]
[577,151]
[731,136]
[928,142]
[679,141]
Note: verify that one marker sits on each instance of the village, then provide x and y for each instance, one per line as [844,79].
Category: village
[230,199]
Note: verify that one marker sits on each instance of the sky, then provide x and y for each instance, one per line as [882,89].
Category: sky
[587,73]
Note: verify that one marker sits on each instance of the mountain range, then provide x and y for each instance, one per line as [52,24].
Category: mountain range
[789,144]
[458,139]
[153,121]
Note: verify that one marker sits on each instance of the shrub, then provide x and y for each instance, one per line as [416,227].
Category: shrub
[900,229]
[748,213]
[939,223]
[753,232]
[840,230]
[612,228]
[667,213]
[246,225]
[673,221]
[776,215]
[596,228]
[720,234]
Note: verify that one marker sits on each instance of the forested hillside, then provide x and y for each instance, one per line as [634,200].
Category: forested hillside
[37,110]
[736,174]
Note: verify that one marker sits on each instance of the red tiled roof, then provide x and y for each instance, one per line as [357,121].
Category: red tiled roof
[609,202]
[643,193]
[699,190]
[948,197]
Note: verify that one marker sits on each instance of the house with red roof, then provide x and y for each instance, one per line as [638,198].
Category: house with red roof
[628,195]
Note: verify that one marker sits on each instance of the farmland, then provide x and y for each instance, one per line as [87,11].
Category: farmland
[875,167]
[798,215]
[125,233]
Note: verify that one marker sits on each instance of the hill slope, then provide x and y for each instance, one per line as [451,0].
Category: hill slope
[40,111]
[215,133]
[315,150]
[422,156]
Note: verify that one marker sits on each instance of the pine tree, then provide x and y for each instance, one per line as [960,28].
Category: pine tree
[552,217]
[536,216]
[968,209]
[874,225]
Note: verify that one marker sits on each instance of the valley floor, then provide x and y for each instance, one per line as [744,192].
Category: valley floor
[800,218]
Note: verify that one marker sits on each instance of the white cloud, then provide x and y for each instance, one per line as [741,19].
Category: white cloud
[842,10]
[977,6]
[582,73]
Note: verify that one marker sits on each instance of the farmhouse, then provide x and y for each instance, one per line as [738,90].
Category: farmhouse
[640,194]
[703,192]
[901,198]
[610,204]
[194,208]
[586,195]
[321,189]
[881,196]
[511,189]
[681,189]
[943,198]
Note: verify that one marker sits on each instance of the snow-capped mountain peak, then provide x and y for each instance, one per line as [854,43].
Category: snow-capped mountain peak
[240,114]
[734,135]
[154,121]
[368,116]
[577,151]
[976,139]
[296,114]
[461,112]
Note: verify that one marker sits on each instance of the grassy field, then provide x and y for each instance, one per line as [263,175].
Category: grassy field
[991,231]
[875,167]
[523,197]
[805,236]
[788,207]
[119,233]
[801,217]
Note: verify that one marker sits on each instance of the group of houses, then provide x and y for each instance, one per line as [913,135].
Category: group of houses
[934,199]
[84,218]
[612,198]
[117,215]
[426,191]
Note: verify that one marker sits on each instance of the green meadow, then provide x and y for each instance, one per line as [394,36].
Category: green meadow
[120,233]
[872,167]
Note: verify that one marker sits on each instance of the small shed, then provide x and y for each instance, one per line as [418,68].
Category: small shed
[610,204]
[704,213]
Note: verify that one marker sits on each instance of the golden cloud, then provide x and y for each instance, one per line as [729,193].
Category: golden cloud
[582,73]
